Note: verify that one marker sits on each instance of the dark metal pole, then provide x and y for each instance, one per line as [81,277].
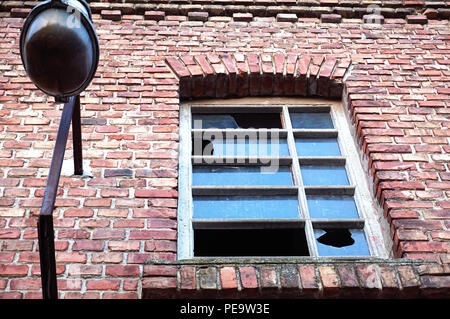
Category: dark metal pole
[47,257]
[76,136]
[45,222]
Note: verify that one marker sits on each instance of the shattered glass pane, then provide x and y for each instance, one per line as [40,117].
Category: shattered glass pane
[240,175]
[341,242]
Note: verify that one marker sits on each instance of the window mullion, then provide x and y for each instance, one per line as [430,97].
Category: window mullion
[309,231]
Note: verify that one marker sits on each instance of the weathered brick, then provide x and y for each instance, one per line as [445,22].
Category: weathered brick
[248,277]
[289,277]
[331,18]
[417,19]
[329,278]
[308,277]
[242,17]
[114,15]
[123,271]
[408,280]
[268,277]
[154,15]
[207,278]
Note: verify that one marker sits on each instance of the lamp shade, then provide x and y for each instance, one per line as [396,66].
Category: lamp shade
[59,47]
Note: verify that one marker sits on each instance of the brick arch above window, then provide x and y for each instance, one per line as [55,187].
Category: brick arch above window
[240,75]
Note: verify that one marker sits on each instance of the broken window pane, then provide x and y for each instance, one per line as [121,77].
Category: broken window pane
[341,242]
[236,120]
[245,207]
[250,242]
[323,175]
[311,120]
[317,147]
[240,175]
[219,145]
[332,207]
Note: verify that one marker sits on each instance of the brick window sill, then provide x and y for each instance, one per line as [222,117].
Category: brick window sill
[303,277]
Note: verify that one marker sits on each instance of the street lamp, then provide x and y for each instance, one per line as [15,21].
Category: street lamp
[60,52]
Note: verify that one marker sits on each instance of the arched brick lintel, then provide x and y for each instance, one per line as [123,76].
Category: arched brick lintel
[240,75]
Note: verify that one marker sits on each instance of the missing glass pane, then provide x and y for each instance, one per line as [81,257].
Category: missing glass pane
[317,147]
[332,207]
[323,175]
[336,238]
[250,242]
[246,207]
[240,175]
[236,120]
[311,120]
[341,242]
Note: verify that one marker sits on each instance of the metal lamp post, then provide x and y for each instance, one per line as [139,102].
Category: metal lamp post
[60,52]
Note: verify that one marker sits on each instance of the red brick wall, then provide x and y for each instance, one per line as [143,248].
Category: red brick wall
[107,226]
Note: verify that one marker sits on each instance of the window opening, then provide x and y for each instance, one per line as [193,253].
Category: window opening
[269,181]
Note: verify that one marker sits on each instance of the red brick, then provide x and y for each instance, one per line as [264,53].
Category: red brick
[108,234]
[13,270]
[242,17]
[368,276]
[159,193]
[159,282]
[187,279]
[248,277]
[103,284]
[348,277]
[417,19]
[308,277]
[97,202]
[408,280]
[70,257]
[228,278]
[154,15]
[88,245]
[331,18]
[329,278]
[73,234]
[114,15]
[122,271]
[160,270]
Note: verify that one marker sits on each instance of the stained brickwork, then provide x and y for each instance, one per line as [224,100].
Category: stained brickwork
[116,227]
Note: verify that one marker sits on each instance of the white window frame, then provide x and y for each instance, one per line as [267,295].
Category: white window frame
[375,227]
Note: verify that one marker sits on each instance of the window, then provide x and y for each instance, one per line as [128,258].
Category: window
[273,177]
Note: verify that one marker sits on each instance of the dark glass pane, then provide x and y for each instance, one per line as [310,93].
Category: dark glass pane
[332,207]
[323,175]
[317,147]
[240,175]
[236,120]
[203,121]
[341,242]
[250,242]
[311,120]
[221,146]
[246,207]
